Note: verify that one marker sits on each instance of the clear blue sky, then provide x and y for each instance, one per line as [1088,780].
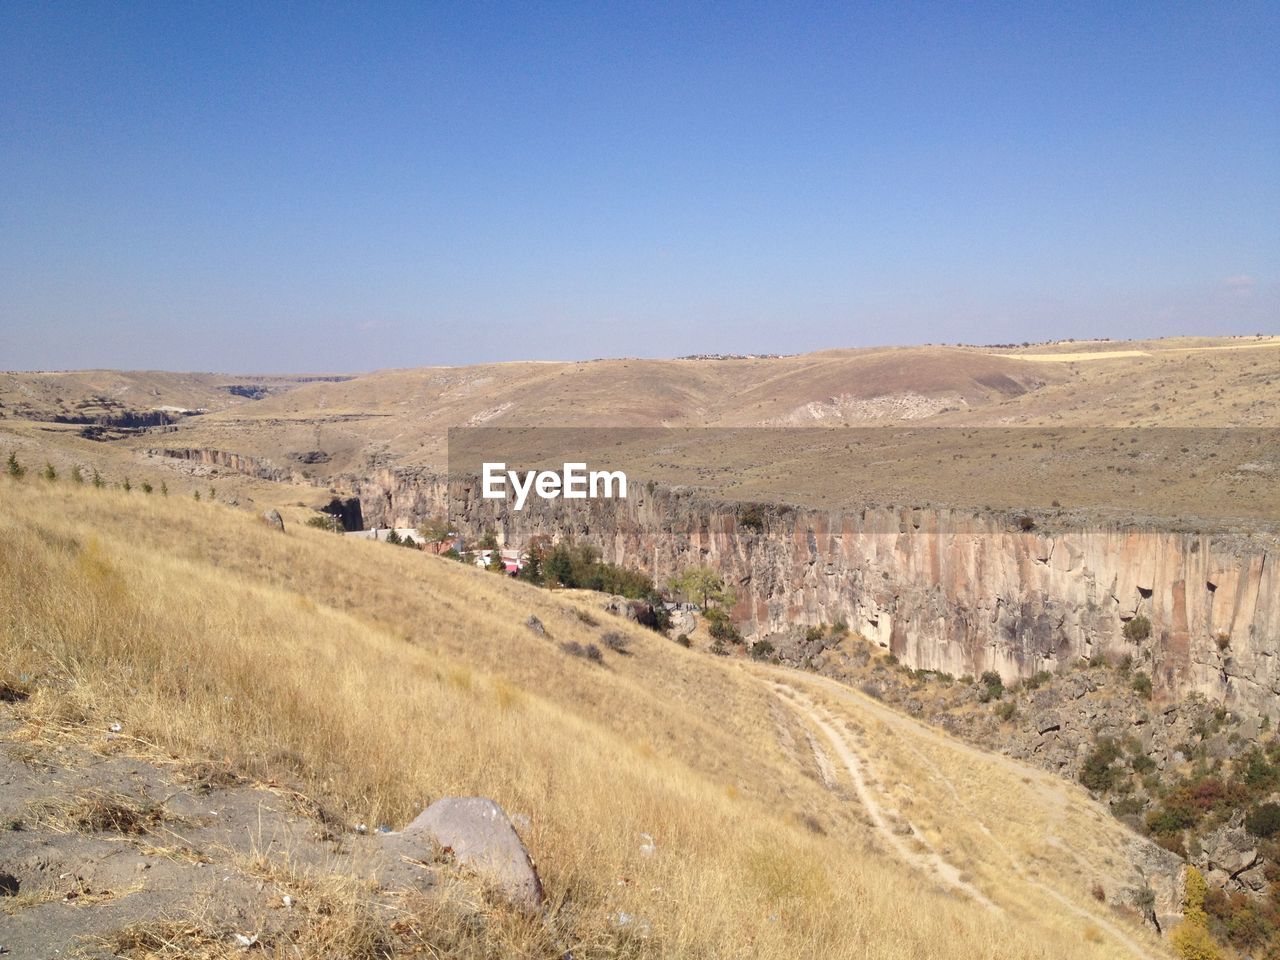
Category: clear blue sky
[335,187]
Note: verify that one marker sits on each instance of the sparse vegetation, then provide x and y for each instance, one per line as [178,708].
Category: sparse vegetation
[1263,820]
[992,686]
[1099,774]
[325,521]
[752,518]
[1141,684]
[1137,629]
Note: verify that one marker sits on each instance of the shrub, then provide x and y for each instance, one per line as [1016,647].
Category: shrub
[718,648]
[994,685]
[1258,774]
[761,650]
[1142,685]
[1224,641]
[1171,819]
[1193,942]
[146,487]
[1026,522]
[1037,679]
[1098,774]
[1127,806]
[1141,764]
[683,640]
[49,473]
[1263,820]
[752,518]
[1006,710]
[813,634]
[721,627]
[1137,629]
[615,641]
[77,475]
[839,628]
[589,652]
[325,521]
[14,468]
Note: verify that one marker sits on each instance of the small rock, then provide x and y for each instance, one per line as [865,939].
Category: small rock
[1048,723]
[481,838]
[273,519]
[534,624]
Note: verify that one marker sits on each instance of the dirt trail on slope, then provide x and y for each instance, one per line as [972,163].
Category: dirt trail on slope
[927,860]
[914,849]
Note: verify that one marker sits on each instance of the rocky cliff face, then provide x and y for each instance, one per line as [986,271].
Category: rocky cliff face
[198,458]
[945,590]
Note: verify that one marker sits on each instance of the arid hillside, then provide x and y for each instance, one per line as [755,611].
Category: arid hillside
[677,804]
[1152,427]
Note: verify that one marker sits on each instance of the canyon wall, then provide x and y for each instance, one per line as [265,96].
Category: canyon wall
[949,590]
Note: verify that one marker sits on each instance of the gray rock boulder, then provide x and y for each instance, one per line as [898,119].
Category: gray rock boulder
[1228,851]
[479,836]
[1047,722]
[272,518]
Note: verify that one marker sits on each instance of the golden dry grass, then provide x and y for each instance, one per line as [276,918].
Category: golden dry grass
[379,680]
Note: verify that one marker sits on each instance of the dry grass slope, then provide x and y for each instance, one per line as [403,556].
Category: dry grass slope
[381,679]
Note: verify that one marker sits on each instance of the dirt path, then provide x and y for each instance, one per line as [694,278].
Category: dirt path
[912,736]
[927,860]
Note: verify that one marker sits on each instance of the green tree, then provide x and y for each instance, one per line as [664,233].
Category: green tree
[14,468]
[558,567]
[435,532]
[393,537]
[1137,629]
[702,585]
[49,473]
[146,487]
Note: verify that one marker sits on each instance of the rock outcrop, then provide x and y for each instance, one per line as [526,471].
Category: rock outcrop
[477,834]
[948,590]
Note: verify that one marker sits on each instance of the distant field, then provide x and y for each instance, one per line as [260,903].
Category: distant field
[321,433]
